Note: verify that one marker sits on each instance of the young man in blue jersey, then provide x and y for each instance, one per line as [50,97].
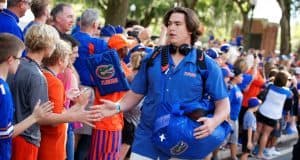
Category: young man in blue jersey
[10,52]
[178,82]
[9,18]
[39,9]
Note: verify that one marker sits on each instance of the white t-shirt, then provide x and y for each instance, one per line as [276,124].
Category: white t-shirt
[274,101]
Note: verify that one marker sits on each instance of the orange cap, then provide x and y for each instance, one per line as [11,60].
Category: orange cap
[117,41]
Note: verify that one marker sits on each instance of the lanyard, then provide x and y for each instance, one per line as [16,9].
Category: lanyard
[34,62]
[49,70]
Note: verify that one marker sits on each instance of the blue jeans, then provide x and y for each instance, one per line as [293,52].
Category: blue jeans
[70,143]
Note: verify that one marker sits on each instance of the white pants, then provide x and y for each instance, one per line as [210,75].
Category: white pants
[135,156]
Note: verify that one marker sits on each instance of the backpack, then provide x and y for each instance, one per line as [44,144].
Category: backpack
[107,73]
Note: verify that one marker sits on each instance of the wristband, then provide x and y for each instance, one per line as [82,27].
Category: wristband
[118,107]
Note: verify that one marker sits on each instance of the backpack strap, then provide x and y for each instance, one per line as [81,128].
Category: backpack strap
[201,59]
[155,53]
[164,57]
[202,69]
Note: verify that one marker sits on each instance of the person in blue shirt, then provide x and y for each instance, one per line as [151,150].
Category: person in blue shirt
[235,97]
[77,26]
[39,8]
[88,44]
[10,53]
[9,18]
[249,127]
[179,82]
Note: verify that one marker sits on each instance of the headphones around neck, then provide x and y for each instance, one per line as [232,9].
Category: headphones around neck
[183,49]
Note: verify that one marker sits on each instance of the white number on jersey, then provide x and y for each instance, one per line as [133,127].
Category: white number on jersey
[2,89]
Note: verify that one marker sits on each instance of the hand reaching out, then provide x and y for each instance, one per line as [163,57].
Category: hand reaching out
[80,114]
[107,108]
[42,110]
[40,113]
[95,113]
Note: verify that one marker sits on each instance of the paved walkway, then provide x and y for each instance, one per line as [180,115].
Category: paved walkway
[285,146]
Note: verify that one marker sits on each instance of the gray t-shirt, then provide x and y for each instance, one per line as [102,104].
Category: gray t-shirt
[249,121]
[28,85]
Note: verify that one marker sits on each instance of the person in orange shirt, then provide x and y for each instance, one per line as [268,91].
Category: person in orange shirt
[254,87]
[106,137]
[53,136]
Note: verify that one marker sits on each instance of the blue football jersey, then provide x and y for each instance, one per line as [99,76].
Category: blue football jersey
[6,114]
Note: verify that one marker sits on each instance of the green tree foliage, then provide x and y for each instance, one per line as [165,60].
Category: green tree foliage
[216,15]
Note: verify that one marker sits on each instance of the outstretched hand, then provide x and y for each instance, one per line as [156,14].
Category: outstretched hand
[95,113]
[80,114]
[107,108]
[42,110]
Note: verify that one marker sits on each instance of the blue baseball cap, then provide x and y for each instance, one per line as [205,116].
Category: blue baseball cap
[107,31]
[225,48]
[213,53]
[253,102]
[119,29]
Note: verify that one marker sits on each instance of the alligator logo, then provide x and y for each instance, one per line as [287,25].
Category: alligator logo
[105,71]
[179,148]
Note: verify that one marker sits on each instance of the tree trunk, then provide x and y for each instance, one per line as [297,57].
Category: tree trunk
[246,22]
[116,12]
[245,31]
[190,4]
[285,35]
[146,21]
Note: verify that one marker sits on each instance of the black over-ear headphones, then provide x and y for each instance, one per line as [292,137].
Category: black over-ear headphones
[183,49]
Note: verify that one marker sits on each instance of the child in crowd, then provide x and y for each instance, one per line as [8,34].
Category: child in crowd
[236,98]
[10,52]
[249,127]
[56,135]
[70,80]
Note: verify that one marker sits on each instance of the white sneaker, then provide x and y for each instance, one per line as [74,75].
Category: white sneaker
[267,152]
[273,152]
